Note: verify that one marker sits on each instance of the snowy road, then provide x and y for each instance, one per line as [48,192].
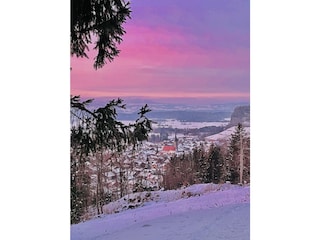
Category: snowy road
[229,222]
[223,214]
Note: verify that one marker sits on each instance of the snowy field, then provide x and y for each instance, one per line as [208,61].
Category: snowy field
[173,123]
[203,211]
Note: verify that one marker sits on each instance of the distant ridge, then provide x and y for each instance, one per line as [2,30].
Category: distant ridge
[168,100]
[241,114]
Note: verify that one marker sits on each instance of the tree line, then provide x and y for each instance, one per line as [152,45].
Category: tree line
[227,161]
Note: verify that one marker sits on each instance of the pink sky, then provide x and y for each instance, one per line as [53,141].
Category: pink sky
[164,54]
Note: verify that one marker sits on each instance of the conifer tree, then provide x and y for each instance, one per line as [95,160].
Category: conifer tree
[217,167]
[202,165]
[101,21]
[95,133]
[238,157]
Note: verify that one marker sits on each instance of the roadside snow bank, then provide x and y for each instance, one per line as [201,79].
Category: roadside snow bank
[135,200]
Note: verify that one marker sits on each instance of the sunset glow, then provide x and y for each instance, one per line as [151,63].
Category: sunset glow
[175,49]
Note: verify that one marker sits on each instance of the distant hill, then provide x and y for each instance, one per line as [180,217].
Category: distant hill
[241,114]
[182,115]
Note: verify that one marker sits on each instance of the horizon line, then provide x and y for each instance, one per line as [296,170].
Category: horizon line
[177,95]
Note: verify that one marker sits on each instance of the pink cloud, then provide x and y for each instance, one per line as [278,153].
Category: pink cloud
[173,47]
[161,62]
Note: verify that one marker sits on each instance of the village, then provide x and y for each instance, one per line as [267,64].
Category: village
[143,168]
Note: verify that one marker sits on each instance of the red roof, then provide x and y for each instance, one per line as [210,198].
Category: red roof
[168,148]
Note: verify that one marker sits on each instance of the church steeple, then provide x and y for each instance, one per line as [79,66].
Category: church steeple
[176,141]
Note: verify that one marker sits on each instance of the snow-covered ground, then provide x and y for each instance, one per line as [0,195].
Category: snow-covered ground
[202,211]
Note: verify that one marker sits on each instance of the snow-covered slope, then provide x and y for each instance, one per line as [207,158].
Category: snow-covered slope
[203,211]
[226,134]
